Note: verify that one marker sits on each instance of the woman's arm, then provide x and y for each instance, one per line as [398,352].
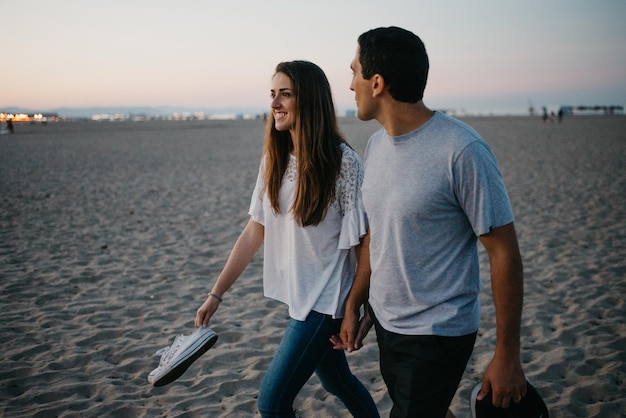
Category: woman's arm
[244,249]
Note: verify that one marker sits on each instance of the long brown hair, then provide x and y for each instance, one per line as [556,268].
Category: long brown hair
[318,145]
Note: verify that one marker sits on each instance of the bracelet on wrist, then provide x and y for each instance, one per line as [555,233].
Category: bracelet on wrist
[216,297]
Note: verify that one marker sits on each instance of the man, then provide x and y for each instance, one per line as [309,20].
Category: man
[432,189]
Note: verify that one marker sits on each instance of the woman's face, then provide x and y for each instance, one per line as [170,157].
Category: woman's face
[283,102]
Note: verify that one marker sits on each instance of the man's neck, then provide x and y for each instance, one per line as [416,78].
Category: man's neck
[399,118]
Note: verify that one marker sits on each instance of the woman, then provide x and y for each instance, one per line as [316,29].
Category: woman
[306,207]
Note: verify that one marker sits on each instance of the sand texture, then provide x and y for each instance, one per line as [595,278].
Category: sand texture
[112,233]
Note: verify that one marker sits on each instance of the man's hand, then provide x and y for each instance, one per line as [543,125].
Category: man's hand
[506,381]
[353,331]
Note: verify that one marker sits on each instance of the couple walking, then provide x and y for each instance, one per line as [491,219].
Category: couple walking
[390,243]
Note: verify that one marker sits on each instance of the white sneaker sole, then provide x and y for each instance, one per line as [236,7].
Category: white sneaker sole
[473,395]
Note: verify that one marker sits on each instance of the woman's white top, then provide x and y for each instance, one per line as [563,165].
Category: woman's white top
[312,268]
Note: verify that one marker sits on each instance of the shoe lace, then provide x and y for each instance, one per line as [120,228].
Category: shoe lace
[167,353]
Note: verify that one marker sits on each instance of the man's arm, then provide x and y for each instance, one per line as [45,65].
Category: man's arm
[504,375]
[354,328]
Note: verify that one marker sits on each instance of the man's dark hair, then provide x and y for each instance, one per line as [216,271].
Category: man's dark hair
[400,57]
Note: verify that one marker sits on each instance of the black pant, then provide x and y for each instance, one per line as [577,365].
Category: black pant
[422,372]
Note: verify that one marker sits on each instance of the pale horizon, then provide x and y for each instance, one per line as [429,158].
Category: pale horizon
[203,55]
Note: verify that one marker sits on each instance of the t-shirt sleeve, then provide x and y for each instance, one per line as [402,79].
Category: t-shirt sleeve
[480,189]
[256,202]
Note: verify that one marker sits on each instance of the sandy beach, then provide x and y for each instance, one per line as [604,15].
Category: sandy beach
[111,234]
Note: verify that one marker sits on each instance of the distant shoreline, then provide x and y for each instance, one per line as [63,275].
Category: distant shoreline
[143,113]
[260,118]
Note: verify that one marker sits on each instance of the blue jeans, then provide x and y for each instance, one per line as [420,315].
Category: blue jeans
[304,349]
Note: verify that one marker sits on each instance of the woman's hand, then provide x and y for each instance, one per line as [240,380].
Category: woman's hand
[353,331]
[206,311]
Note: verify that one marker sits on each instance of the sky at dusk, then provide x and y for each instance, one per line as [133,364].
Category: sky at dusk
[487,55]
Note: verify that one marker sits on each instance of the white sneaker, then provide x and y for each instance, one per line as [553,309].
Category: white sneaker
[176,358]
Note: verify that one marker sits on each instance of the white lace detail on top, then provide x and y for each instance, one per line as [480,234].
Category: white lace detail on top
[349,178]
[291,174]
[348,181]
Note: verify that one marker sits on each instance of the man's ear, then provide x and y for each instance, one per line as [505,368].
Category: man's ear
[378,85]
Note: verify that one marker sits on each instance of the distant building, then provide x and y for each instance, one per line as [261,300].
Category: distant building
[33,118]
[568,110]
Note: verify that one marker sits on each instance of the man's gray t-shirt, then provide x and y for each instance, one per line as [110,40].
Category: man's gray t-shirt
[428,195]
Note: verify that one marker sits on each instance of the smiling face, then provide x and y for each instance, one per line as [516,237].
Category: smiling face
[283,102]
